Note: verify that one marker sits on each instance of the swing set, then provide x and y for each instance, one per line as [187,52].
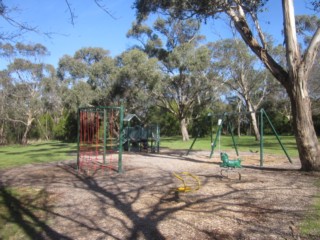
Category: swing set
[224,120]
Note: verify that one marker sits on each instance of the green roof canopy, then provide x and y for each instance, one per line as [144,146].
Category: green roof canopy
[129,117]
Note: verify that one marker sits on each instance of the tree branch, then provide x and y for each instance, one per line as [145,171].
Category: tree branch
[292,46]
[242,26]
[71,12]
[311,51]
[261,35]
[98,3]
[14,120]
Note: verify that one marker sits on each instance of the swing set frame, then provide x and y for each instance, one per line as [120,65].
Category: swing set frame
[263,116]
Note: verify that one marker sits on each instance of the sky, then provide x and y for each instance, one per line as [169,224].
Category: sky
[94,28]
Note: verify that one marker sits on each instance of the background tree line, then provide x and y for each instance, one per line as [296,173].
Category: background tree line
[175,86]
[173,77]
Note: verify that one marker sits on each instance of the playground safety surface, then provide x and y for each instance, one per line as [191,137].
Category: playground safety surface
[267,203]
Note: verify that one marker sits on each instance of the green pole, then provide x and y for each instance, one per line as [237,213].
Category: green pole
[128,136]
[104,135]
[78,141]
[158,138]
[120,140]
[277,136]
[195,139]
[211,135]
[261,137]
[233,141]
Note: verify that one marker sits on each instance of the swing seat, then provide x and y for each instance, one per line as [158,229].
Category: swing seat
[226,163]
[186,188]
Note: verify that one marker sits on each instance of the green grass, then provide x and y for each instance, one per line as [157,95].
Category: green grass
[16,155]
[24,213]
[310,227]
[244,144]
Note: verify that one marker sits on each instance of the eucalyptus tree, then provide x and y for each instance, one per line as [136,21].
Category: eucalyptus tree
[91,69]
[24,74]
[186,82]
[137,78]
[241,73]
[293,76]
[52,92]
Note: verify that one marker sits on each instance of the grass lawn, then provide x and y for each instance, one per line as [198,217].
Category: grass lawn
[244,144]
[16,155]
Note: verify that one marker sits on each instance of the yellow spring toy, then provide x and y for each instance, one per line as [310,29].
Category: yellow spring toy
[183,176]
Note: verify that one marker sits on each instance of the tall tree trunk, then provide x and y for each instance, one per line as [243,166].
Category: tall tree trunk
[254,123]
[24,139]
[307,141]
[2,134]
[239,119]
[296,86]
[184,130]
[253,120]
[239,125]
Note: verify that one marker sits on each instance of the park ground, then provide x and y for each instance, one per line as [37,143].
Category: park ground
[268,202]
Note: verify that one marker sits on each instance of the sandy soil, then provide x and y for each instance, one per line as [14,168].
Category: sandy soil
[140,203]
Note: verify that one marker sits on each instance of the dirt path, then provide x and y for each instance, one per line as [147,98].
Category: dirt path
[266,203]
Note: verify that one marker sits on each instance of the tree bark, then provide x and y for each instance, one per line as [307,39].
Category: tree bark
[296,86]
[24,139]
[253,120]
[184,130]
[2,134]
[254,124]
[306,138]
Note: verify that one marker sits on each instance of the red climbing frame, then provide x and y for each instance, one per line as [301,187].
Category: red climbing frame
[98,144]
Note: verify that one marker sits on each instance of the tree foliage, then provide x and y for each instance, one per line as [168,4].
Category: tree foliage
[186,83]
[24,85]
[241,73]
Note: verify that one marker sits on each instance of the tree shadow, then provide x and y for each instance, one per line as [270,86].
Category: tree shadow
[23,214]
[146,225]
[143,198]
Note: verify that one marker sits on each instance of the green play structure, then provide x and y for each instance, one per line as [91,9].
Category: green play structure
[224,121]
[102,138]
[140,138]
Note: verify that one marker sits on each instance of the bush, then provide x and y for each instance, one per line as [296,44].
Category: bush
[67,127]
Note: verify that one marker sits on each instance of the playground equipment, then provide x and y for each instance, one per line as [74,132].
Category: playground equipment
[229,164]
[138,138]
[99,138]
[224,120]
[189,182]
